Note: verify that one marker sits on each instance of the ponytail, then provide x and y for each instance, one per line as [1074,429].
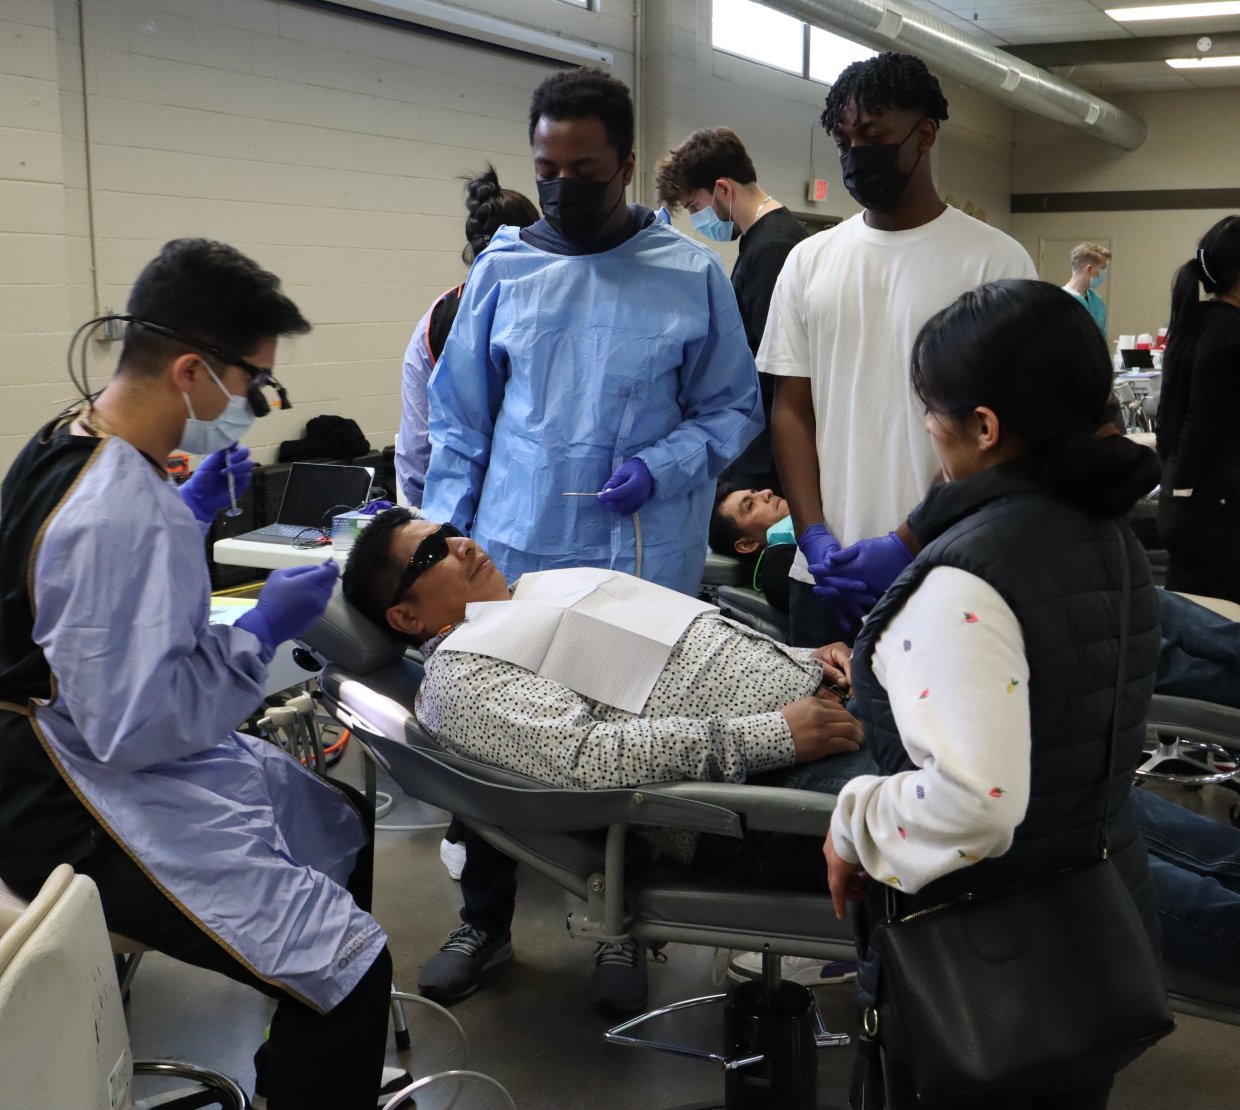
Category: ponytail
[1103,473]
[490,208]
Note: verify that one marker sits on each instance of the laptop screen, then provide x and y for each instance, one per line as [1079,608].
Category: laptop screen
[315,489]
[1140,358]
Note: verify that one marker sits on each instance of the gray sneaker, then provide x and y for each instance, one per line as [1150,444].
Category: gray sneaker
[454,971]
[619,983]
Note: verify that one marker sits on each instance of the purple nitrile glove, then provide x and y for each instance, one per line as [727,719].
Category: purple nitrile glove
[290,601]
[847,597]
[628,489]
[373,508]
[206,493]
[816,544]
[874,562]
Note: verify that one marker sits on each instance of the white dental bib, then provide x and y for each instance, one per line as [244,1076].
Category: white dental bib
[602,633]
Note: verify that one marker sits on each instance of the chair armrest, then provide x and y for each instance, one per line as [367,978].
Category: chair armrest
[477,792]
[768,808]
[1195,720]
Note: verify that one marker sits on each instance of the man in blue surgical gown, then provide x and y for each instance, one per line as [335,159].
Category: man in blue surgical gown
[118,698]
[598,350]
[596,381]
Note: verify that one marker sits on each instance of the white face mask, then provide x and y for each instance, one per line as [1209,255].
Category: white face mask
[201,437]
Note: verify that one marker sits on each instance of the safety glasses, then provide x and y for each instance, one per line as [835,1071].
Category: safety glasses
[263,377]
[433,549]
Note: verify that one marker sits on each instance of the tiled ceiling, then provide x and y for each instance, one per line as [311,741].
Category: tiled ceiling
[1018,22]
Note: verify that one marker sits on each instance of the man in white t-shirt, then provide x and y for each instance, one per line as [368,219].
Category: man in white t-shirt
[853,455]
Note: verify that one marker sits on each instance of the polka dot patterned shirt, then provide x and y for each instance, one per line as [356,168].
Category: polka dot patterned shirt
[712,715]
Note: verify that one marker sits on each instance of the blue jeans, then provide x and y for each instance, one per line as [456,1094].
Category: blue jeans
[1195,863]
[1199,655]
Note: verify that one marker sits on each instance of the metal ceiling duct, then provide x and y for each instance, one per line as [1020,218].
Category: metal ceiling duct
[892,25]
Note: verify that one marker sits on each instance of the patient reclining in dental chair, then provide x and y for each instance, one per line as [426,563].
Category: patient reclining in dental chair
[594,703]
[719,702]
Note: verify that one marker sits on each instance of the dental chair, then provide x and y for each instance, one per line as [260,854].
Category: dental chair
[728,583]
[1195,743]
[63,1042]
[584,841]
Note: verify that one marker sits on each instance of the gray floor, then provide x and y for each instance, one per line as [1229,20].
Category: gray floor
[531,1028]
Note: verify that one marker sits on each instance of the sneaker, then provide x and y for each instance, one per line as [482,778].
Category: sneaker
[619,983]
[452,856]
[394,1079]
[806,970]
[454,971]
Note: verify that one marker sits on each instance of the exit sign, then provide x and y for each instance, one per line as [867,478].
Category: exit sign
[816,190]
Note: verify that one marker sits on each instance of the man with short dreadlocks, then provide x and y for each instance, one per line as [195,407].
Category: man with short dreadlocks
[847,430]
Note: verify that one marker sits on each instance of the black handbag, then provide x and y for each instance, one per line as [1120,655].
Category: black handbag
[1041,985]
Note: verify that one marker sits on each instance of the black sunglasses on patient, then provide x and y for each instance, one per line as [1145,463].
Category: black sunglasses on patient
[433,549]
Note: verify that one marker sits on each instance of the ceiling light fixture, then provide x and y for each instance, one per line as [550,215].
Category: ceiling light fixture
[1222,61]
[1175,11]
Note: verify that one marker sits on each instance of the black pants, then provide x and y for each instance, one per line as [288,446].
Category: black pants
[333,1059]
[1202,534]
[812,622]
[488,885]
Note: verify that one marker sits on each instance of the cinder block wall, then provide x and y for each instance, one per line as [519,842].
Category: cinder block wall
[327,147]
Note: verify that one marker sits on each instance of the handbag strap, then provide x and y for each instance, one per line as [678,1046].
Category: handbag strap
[1124,608]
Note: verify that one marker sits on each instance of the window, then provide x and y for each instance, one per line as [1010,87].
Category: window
[587,4]
[830,55]
[761,34]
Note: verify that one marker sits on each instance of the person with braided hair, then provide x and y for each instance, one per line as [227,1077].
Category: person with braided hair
[490,207]
[847,306]
[1199,505]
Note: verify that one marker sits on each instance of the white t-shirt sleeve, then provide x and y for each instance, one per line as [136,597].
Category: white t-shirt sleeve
[1013,263]
[954,667]
[785,347]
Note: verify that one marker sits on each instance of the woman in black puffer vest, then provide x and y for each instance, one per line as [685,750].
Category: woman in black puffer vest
[986,676]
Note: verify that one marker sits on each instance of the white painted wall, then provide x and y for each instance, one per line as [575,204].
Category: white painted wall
[1191,146]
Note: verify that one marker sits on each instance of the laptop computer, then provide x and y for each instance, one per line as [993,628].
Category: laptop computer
[314,494]
[1139,358]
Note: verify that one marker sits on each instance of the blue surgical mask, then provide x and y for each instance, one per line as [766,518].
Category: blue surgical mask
[707,223]
[1096,282]
[201,437]
[781,532]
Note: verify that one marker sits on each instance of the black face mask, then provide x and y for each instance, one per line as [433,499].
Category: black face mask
[871,177]
[574,208]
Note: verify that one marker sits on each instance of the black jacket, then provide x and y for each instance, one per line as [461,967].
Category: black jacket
[1061,572]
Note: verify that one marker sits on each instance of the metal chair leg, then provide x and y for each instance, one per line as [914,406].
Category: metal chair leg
[400,1027]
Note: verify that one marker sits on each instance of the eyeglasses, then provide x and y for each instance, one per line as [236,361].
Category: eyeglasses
[433,549]
[263,378]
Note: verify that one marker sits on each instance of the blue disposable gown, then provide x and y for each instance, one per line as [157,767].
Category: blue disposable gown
[146,693]
[558,369]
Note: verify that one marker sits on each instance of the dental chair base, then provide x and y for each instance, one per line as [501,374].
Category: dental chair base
[772,1029]
[1193,743]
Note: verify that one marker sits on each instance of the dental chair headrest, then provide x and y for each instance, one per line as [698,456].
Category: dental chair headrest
[349,640]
